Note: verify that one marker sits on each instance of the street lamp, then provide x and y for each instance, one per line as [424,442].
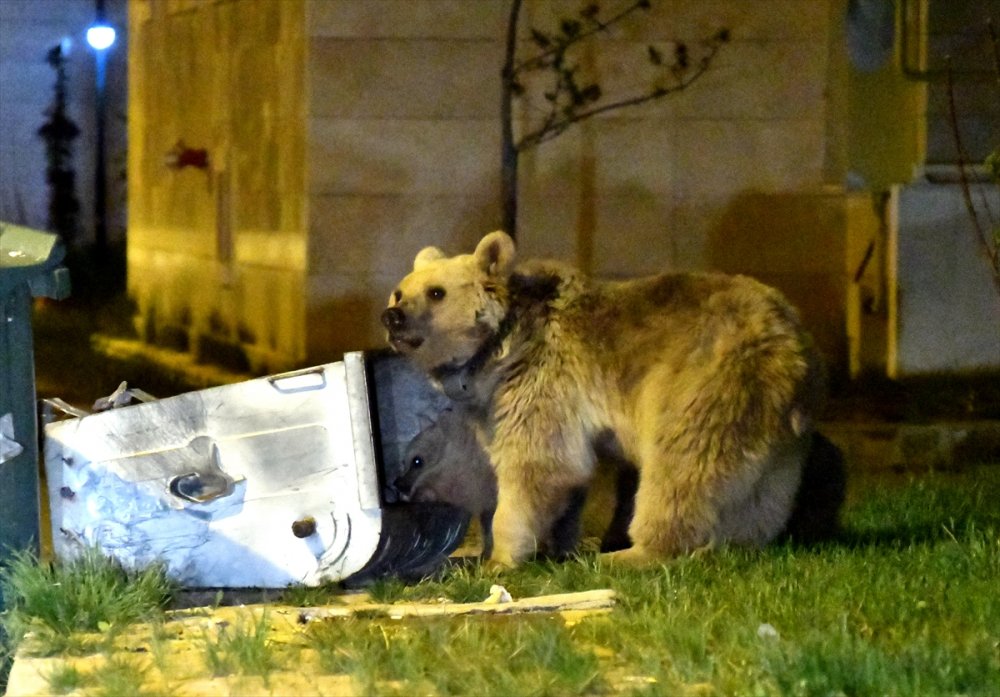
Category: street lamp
[100,36]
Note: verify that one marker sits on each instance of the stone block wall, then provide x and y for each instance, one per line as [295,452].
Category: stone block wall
[403,149]
[217,254]
[949,308]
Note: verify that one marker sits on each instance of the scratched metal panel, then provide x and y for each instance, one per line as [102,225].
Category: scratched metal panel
[262,483]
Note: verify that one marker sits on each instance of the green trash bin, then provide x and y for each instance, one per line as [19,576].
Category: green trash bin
[30,266]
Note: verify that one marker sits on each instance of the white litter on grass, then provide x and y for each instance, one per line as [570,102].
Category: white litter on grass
[498,594]
[767,631]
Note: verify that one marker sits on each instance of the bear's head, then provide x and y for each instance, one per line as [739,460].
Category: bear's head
[447,308]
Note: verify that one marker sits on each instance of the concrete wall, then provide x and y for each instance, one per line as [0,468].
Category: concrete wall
[948,302]
[944,305]
[403,149]
[28,29]
[664,174]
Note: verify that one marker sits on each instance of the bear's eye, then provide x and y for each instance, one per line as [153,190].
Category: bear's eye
[397,295]
[435,293]
[417,462]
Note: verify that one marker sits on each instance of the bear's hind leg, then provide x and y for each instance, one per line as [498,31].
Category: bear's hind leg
[616,536]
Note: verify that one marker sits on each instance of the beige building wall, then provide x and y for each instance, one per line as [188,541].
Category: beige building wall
[217,253]
[403,149]
[663,174]
[743,172]
[344,135]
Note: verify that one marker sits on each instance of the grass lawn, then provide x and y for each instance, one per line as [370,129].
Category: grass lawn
[906,603]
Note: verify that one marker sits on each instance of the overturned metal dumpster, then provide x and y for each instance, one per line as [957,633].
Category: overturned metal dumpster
[265,483]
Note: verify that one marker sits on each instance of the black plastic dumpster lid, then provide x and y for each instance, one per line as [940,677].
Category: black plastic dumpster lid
[33,257]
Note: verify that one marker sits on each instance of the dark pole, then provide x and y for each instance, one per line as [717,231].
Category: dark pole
[100,182]
[508,149]
[100,175]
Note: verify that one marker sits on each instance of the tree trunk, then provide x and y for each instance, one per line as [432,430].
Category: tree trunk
[508,150]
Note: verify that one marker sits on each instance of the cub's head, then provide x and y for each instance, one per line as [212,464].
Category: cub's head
[445,463]
[423,465]
[443,311]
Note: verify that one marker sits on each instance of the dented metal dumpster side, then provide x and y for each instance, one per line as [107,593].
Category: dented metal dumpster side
[263,483]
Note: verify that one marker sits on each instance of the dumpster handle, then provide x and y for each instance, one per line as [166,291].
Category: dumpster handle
[199,487]
[299,380]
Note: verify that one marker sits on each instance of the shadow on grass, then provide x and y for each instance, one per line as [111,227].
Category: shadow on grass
[922,508]
[896,538]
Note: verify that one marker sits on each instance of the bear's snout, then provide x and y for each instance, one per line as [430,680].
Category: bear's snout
[403,487]
[394,319]
[401,335]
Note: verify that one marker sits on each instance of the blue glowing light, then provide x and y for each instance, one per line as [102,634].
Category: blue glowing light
[100,36]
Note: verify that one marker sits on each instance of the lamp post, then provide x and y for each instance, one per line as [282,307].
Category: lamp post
[100,36]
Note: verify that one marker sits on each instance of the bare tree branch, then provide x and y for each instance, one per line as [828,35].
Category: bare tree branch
[560,46]
[508,153]
[992,252]
[554,125]
[572,96]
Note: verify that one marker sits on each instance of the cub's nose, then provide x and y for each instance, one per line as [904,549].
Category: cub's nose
[394,318]
[402,487]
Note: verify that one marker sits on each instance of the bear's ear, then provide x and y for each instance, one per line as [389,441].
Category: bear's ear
[426,256]
[425,420]
[495,253]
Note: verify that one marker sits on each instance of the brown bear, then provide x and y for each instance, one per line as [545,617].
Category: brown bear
[446,463]
[706,382]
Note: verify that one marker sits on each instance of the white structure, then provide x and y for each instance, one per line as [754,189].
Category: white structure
[947,305]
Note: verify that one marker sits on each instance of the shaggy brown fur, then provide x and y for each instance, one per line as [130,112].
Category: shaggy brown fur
[446,463]
[706,382]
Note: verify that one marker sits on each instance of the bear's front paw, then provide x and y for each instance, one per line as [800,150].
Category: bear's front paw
[704,550]
[494,566]
[634,557]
